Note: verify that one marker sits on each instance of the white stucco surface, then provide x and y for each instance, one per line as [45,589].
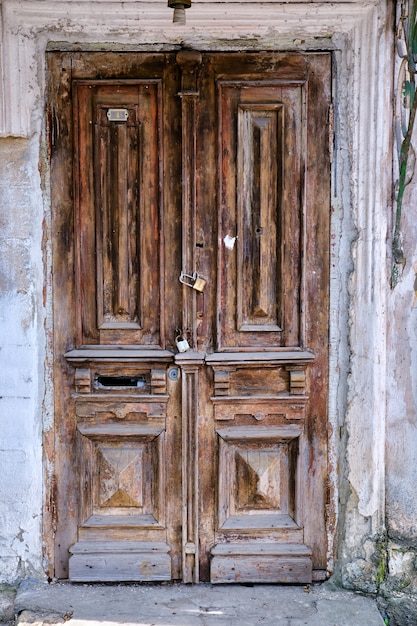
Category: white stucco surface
[402,398]
[21,366]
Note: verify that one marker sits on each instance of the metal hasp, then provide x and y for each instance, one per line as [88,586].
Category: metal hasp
[179,10]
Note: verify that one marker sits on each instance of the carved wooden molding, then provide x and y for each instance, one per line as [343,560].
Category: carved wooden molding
[82,380]
[245,455]
[251,359]
[190,514]
[128,429]
[297,379]
[259,408]
[116,408]
[121,354]
[189,61]
[225,376]
[190,359]
[159,381]
[236,433]
[221,382]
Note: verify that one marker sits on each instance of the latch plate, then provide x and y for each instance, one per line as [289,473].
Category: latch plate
[117,115]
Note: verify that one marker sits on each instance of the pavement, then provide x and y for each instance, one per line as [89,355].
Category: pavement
[39,604]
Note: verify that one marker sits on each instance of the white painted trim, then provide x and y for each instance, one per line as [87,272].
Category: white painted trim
[28,26]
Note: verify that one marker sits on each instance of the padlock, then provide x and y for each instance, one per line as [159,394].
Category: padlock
[199,283]
[182,343]
[195,281]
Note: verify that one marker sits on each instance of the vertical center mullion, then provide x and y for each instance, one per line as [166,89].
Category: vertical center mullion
[189,62]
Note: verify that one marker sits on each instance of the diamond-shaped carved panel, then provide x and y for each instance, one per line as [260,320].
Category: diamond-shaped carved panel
[257,472]
[258,479]
[120,476]
[123,476]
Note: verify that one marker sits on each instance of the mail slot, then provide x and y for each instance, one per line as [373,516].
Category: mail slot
[120,381]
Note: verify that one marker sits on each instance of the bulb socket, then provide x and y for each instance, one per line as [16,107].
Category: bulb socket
[179,7]
[179,15]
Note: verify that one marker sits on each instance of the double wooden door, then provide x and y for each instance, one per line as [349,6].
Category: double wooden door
[190,199]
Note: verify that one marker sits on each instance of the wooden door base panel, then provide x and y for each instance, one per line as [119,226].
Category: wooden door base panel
[261,563]
[111,561]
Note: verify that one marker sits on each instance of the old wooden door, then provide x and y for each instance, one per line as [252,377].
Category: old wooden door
[207,463]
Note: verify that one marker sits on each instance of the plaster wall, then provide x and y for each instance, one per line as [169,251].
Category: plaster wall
[399,590]
[360,35]
[21,356]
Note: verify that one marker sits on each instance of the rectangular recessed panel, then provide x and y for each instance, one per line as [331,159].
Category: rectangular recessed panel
[119,149]
[126,477]
[122,473]
[257,477]
[118,156]
[258,381]
[259,181]
[260,296]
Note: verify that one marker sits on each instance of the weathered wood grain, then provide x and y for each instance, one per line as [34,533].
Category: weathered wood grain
[164,459]
[267,563]
[120,561]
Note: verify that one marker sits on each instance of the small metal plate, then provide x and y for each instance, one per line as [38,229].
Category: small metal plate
[117,115]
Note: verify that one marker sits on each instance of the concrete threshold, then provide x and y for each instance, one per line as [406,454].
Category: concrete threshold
[40,604]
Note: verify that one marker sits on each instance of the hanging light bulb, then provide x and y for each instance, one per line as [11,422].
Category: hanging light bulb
[179,7]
